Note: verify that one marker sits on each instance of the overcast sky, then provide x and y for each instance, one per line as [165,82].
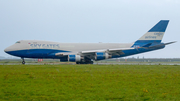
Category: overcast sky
[89,21]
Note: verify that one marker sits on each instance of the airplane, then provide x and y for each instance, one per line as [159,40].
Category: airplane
[87,53]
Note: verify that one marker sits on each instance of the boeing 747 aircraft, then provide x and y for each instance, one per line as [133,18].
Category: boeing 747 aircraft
[86,53]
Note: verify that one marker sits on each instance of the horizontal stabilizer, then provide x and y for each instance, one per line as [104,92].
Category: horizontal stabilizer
[159,45]
[170,42]
[147,45]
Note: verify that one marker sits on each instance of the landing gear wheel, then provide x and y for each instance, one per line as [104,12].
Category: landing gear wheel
[91,62]
[77,62]
[23,62]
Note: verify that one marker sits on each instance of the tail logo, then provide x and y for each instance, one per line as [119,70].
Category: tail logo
[156,32]
[150,37]
[159,34]
[155,35]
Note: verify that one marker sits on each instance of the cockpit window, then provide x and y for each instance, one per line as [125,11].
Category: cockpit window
[18,42]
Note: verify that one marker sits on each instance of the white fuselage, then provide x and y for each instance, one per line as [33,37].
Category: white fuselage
[73,47]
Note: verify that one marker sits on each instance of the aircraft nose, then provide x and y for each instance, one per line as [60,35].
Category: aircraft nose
[7,49]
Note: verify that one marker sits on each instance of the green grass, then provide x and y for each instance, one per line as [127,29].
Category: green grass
[89,82]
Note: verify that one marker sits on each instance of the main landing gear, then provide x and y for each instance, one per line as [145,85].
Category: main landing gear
[89,62]
[85,61]
[23,62]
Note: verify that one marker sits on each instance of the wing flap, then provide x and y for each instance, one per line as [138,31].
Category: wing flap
[116,51]
[65,54]
[119,49]
[91,53]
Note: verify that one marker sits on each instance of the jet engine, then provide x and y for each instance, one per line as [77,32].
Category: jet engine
[74,58]
[102,55]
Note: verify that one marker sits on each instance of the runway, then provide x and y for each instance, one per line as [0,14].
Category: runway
[96,63]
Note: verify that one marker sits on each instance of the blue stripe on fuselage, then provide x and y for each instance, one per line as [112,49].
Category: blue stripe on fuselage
[50,53]
[36,53]
[148,41]
[140,43]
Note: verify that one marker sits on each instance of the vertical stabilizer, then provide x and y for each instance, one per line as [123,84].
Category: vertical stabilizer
[154,35]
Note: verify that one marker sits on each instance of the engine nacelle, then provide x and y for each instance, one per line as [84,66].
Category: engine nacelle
[74,58]
[102,55]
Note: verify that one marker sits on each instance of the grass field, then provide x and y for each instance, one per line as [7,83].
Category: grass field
[90,82]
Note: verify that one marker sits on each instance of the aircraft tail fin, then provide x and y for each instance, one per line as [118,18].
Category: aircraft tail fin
[154,35]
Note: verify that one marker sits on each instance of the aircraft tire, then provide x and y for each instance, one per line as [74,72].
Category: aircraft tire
[91,62]
[77,62]
[23,62]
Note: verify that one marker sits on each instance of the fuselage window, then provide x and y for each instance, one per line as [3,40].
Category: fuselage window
[18,42]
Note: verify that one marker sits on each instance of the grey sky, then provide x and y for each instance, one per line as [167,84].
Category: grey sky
[107,21]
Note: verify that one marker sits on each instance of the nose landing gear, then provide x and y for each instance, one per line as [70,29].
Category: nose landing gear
[23,62]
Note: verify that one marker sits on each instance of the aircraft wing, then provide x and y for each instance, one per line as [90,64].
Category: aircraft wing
[110,51]
[91,54]
[61,54]
[117,51]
